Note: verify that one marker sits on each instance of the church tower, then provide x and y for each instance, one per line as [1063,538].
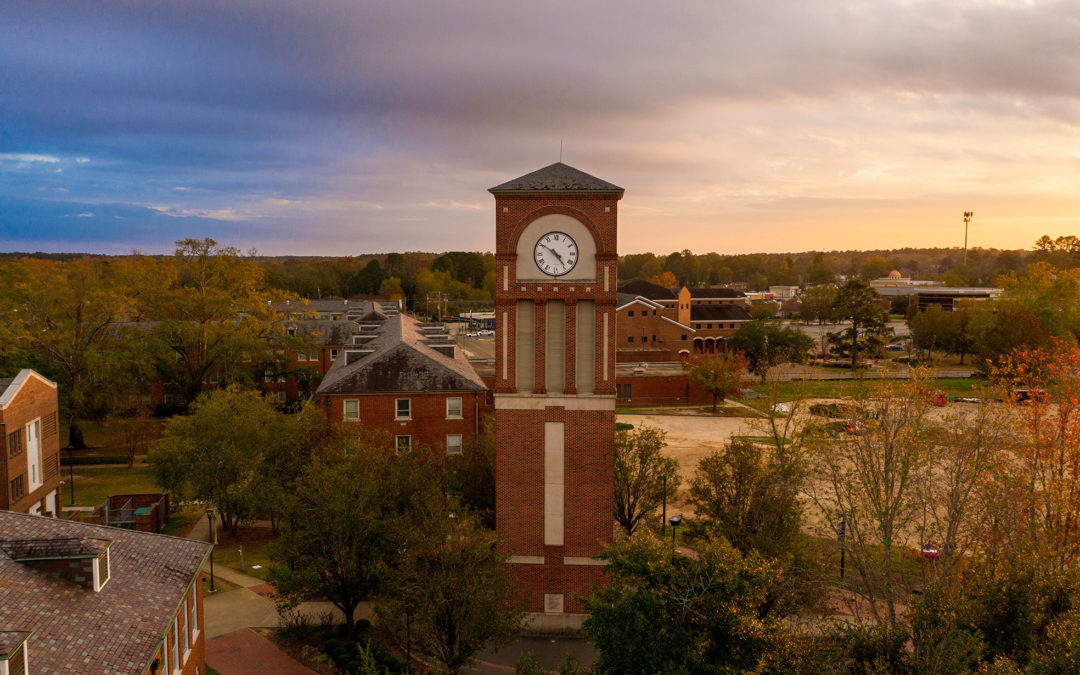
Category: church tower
[555,257]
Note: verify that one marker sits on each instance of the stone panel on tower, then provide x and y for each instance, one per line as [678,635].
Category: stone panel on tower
[555,256]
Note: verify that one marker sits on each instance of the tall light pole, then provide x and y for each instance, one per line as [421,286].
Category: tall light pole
[968,215]
[210,517]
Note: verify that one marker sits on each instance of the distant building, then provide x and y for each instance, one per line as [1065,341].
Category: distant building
[657,324]
[30,434]
[408,378]
[80,598]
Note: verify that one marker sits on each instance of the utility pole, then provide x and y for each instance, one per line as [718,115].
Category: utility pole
[968,215]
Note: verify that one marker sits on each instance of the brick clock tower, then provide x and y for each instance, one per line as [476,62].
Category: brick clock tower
[555,257]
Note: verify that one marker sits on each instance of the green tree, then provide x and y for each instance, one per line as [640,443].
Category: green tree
[817,304]
[820,271]
[668,613]
[232,449]
[766,344]
[452,591]
[643,476]
[470,476]
[356,509]
[750,495]
[858,303]
[720,375]
[932,328]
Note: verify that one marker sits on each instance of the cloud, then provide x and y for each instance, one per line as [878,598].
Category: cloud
[386,122]
[26,158]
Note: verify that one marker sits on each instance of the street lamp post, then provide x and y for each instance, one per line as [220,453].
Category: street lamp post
[675,520]
[210,517]
[71,470]
[968,215]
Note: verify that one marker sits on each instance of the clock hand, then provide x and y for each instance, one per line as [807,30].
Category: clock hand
[556,254]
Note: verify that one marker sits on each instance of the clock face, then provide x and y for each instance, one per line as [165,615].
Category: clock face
[555,253]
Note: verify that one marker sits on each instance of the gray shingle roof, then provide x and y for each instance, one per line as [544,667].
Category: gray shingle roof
[324,331]
[400,361]
[556,177]
[715,293]
[718,313]
[77,630]
[646,289]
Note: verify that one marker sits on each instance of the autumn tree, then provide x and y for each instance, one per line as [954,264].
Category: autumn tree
[857,303]
[66,315]
[719,374]
[766,344]
[1043,506]
[869,481]
[643,476]
[210,306]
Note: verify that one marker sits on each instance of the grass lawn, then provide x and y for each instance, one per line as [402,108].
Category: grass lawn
[953,386]
[94,484]
[256,544]
[106,437]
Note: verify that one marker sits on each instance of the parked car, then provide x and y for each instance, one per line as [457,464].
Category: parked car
[485,332]
[472,335]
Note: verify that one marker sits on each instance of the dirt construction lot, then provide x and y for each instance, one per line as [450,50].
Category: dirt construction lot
[691,437]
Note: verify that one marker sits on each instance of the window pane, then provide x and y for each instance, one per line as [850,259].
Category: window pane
[403,407]
[453,407]
[453,444]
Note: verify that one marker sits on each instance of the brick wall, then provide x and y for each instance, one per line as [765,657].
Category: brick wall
[35,399]
[429,424]
[660,390]
[589,434]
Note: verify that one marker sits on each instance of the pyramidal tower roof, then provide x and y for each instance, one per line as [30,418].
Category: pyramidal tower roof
[558,177]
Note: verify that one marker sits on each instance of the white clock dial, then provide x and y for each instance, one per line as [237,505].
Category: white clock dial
[555,253]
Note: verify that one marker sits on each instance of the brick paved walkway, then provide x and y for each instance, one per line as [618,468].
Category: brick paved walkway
[245,651]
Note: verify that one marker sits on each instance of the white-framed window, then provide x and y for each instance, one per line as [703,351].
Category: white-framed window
[33,455]
[184,629]
[403,443]
[333,354]
[280,379]
[301,356]
[176,646]
[351,410]
[281,397]
[194,615]
[403,409]
[453,444]
[453,407]
[313,356]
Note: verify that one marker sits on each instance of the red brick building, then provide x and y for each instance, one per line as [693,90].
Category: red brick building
[30,437]
[555,258]
[88,599]
[408,378]
[657,324]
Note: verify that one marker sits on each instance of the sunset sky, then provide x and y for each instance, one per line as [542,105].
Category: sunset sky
[340,128]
